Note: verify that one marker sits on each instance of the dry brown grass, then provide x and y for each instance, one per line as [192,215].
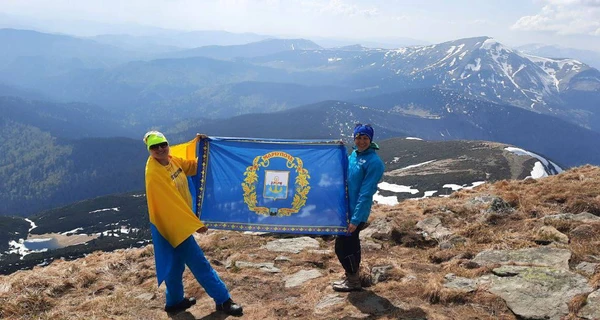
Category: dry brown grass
[122,284]
[493,305]
[573,191]
[595,281]
[577,303]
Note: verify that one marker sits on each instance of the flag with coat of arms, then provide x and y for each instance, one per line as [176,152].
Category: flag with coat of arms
[269,185]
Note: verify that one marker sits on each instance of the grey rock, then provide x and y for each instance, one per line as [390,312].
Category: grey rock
[291,300]
[537,292]
[380,273]
[359,315]
[541,256]
[433,229]
[452,242]
[560,216]
[499,205]
[380,228]
[582,232]
[446,245]
[262,266]
[327,302]
[583,217]
[282,259]
[321,252]
[457,240]
[301,277]
[589,268]
[370,245]
[481,200]
[593,257]
[586,217]
[592,308]
[460,283]
[231,260]
[5,287]
[146,296]
[549,233]
[293,245]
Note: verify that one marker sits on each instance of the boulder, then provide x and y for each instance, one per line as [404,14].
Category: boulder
[537,292]
[541,256]
[591,310]
[301,277]
[293,245]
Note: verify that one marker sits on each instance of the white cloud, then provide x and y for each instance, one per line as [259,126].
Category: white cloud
[341,8]
[564,17]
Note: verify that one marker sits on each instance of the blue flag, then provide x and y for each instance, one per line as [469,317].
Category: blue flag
[284,186]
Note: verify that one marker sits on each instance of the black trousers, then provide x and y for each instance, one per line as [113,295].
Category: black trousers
[347,249]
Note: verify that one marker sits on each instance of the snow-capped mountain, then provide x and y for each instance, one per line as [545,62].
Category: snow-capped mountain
[589,57]
[479,67]
[484,68]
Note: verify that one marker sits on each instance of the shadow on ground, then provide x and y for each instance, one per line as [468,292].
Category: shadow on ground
[216,315]
[375,306]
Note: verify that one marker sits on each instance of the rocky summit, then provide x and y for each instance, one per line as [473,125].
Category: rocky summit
[512,249]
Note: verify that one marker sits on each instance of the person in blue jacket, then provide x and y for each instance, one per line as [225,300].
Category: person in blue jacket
[365,169]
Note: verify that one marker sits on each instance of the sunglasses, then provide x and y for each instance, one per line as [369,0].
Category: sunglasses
[160,145]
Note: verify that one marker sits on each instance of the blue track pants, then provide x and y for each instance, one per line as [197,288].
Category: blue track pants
[190,254]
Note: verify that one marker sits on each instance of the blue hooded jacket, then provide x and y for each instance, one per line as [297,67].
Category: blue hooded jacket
[365,169]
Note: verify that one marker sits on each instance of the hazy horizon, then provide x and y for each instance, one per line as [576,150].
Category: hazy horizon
[567,23]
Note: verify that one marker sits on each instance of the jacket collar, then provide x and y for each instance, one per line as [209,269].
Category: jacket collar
[374,146]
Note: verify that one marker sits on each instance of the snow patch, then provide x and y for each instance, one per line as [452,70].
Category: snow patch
[396,188]
[456,187]
[416,165]
[390,201]
[474,67]
[538,171]
[549,166]
[33,225]
[107,209]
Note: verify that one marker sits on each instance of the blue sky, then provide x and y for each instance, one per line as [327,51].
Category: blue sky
[570,23]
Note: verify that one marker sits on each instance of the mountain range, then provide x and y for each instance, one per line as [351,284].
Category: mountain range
[589,57]
[422,113]
[480,68]
[73,114]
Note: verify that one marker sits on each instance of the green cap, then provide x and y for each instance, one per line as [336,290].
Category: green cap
[154,137]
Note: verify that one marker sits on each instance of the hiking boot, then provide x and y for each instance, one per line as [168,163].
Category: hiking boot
[342,280]
[352,283]
[230,308]
[181,306]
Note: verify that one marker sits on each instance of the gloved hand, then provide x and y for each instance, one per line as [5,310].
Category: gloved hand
[202,230]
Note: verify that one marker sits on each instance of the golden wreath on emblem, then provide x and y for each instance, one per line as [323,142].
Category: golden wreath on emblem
[301,184]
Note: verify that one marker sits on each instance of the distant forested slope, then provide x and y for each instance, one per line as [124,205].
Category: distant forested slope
[47,161]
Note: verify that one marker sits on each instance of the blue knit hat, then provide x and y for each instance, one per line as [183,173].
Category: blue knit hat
[365,129]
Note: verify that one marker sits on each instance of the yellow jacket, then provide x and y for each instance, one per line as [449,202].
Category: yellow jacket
[169,211]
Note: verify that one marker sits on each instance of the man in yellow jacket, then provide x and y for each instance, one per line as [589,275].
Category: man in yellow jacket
[173,224]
